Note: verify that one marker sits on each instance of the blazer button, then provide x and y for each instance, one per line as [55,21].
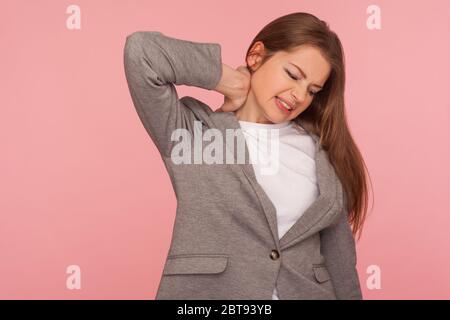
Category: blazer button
[274,255]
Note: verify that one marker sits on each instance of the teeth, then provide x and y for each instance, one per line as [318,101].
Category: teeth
[284,104]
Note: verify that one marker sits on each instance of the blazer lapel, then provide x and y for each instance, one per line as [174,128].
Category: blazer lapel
[318,211]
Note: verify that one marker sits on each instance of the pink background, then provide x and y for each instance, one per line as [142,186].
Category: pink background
[82,183]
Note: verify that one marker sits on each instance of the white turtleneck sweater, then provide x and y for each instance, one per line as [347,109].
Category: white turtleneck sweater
[288,176]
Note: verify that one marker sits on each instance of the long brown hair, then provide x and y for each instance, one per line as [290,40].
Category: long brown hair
[325,116]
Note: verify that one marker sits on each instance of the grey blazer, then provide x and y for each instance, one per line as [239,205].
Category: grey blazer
[225,242]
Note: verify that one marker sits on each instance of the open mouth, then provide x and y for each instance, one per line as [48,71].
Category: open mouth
[283,106]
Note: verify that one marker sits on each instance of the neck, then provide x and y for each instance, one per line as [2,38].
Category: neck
[250,112]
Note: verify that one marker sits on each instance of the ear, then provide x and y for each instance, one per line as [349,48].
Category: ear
[255,56]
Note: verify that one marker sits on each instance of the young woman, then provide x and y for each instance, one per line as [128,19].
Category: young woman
[239,233]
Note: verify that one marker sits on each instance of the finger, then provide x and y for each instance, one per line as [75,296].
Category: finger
[243,69]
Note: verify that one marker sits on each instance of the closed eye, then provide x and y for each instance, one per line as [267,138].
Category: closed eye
[311,93]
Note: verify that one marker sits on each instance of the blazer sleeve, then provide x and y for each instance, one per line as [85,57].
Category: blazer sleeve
[338,248]
[153,64]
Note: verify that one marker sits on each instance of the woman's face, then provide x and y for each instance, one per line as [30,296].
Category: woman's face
[280,77]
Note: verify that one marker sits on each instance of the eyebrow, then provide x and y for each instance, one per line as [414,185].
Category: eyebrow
[304,75]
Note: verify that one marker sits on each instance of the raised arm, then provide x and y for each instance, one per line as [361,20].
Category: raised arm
[155,62]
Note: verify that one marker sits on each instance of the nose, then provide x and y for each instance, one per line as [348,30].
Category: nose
[298,95]
[295,97]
